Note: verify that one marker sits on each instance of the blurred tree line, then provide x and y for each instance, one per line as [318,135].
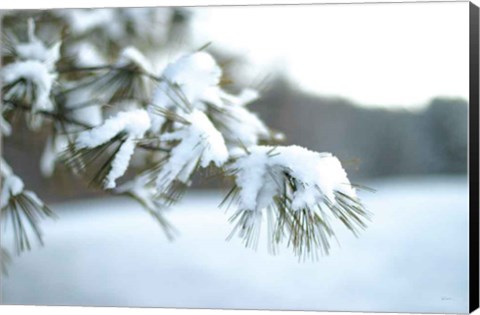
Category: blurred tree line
[374,142]
[370,142]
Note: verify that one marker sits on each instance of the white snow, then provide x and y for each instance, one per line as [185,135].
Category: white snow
[189,82]
[38,74]
[120,162]
[12,186]
[110,252]
[200,143]
[259,176]
[35,49]
[196,74]
[134,123]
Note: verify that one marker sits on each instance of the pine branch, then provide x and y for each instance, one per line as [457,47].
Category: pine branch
[300,221]
[24,211]
[307,231]
[50,114]
[56,116]
[137,71]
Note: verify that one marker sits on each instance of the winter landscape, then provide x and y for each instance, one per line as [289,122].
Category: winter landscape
[412,258]
[163,162]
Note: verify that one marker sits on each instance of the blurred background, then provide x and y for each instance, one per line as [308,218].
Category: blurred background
[382,86]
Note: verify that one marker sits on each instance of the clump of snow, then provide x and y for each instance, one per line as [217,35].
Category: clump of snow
[197,74]
[35,72]
[35,49]
[120,162]
[200,144]
[189,82]
[11,186]
[133,123]
[192,82]
[34,65]
[260,176]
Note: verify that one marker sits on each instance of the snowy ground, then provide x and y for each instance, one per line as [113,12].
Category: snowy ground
[413,258]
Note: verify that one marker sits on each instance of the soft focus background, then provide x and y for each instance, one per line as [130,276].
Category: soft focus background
[382,86]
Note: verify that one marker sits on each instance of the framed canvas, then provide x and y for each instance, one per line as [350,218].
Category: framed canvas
[313,157]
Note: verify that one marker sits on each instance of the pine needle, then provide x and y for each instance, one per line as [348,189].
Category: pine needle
[23,213]
[307,231]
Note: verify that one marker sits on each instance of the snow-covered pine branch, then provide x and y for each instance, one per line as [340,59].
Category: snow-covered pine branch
[124,129]
[21,209]
[199,145]
[300,189]
[30,78]
[183,120]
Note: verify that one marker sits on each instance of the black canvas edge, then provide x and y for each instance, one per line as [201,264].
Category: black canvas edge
[473,159]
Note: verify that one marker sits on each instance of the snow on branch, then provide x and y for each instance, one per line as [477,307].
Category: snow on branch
[35,49]
[30,78]
[182,117]
[21,210]
[188,83]
[199,145]
[30,83]
[297,186]
[125,128]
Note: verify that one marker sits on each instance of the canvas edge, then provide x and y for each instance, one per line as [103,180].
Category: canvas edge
[473,158]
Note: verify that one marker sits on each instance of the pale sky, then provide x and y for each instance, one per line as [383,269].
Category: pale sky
[375,54]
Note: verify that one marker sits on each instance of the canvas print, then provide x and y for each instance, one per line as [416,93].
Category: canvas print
[285,157]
